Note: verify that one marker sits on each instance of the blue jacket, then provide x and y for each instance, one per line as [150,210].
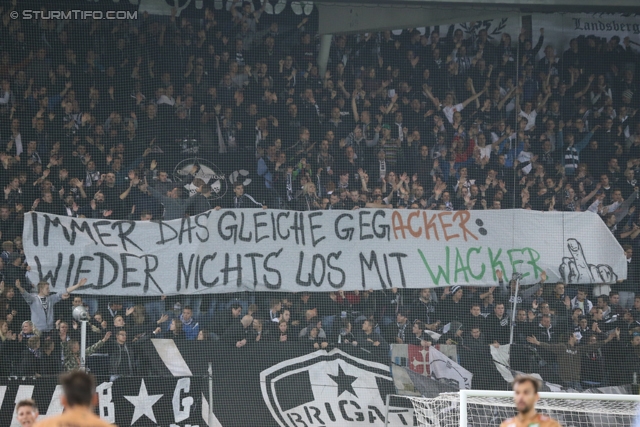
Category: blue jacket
[190,328]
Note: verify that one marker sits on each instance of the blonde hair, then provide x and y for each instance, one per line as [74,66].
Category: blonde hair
[42,285]
[305,188]
[36,332]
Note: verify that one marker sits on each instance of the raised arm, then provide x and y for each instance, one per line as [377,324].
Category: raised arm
[473,91]
[473,98]
[537,47]
[506,98]
[391,104]
[633,233]
[543,102]
[587,138]
[18,287]
[80,186]
[354,108]
[496,145]
[156,194]
[344,91]
[80,284]
[553,347]
[593,347]
[133,182]
[433,99]
[258,13]
[590,196]
[504,290]
[519,92]
[528,293]
[580,94]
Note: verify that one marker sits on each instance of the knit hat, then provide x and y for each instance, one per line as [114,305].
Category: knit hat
[455,289]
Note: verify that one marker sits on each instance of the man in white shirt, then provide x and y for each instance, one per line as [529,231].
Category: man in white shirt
[527,156]
[530,114]
[448,107]
[482,147]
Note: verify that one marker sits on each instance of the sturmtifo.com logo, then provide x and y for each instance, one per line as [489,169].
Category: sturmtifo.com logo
[28,14]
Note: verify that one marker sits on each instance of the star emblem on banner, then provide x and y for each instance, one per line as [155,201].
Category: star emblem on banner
[143,404]
[344,381]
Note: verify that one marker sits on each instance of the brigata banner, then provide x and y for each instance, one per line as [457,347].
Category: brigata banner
[272,250]
[135,401]
[282,385]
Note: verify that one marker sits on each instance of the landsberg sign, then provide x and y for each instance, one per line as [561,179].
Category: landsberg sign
[272,250]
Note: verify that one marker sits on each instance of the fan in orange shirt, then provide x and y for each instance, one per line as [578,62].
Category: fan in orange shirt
[525,396]
[78,400]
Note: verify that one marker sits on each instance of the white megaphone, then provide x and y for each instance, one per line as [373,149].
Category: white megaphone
[80,313]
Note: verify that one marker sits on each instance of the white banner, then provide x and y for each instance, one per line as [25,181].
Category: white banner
[560,28]
[444,368]
[502,361]
[495,28]
[271,250]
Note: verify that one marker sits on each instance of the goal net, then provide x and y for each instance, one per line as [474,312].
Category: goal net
[476,408]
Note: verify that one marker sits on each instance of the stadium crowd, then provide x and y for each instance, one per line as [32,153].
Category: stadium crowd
[97,119]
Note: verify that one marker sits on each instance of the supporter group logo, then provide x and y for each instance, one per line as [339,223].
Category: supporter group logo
[207,171]
[330,389]
[243,176]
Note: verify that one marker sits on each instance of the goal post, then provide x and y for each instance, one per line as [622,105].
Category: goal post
[475,408]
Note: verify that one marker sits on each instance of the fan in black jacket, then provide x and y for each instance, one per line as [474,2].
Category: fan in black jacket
[452,308]
[238,333]
[240,200]
[418,336]
[223,319]
[50,359]
[476,358]
[371,341]
[498,326]
[30,362]
[281,334]
[523,326]
[397,332]
[424,309]
[345,334]
[475,318]
[122,360]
